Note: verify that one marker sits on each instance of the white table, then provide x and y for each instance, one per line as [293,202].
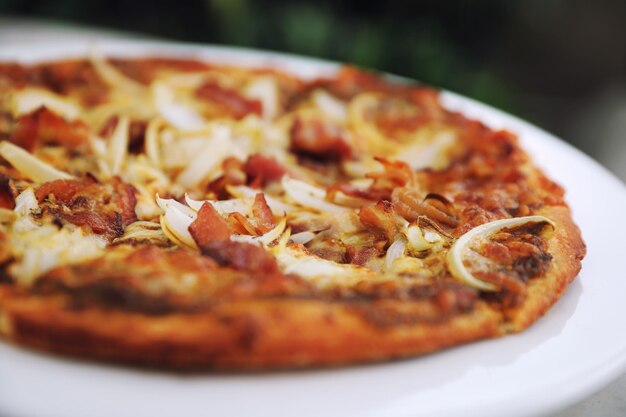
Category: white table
[609,402]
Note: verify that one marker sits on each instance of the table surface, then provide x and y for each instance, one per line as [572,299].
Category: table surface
[609,402]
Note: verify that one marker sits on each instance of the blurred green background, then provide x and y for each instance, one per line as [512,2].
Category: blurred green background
[560,64]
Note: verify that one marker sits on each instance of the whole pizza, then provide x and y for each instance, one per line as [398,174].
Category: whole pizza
[181,214]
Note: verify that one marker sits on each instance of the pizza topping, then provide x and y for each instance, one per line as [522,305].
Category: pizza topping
[224,207]
[39,246]
[395,251]
[330,105]
[219,221]
[464,251]
[43,126]
[317,139]
[294,259]
[208,158]
[382,218]
[105,208]
[263,170]
[63,190]
[340,181]
[30,99]
[176,221]
[262,214]
[309,196]
[208,226]
[411,205]
[177,113]
[143,232]
[264,239]
[117,148]
[234,103]
[30,166]
[264,90]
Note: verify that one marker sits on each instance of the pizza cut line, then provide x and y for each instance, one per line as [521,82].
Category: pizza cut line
[180,214]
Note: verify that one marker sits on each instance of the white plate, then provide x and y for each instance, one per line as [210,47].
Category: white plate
[576,349]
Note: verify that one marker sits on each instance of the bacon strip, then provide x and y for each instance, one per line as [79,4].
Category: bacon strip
[7,193]
[262,214]
[237,105]
[100,223]
[263,169]
[410,205]
[63,190]
[396,173]
[43,126]
[240,225]
[209,226]
[381,218]
[124,198]
[233,175]
[106,208]
[320,140]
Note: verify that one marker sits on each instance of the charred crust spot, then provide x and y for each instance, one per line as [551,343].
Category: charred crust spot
[109,295]
[532,266]
[250,330]
[383,315]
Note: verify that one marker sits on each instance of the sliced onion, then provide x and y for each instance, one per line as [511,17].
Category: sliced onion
[309,196]
[30,166]
[240,205]
[167,203]
[218,147]
[293,260]
[243,192]
[395,251]
[45,247]
[113,77]
[432,237]
[177,224]
[26,202]
[457,252]
[416,240]
[30,99]
[153,147]
[303,237]
[330,105]
[428,152]
[143,231]
[118,146]
[264,239]
[344,199]
[179,115]
[265,89]
[169,234]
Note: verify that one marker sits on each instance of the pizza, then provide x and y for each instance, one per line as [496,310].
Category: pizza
[182,214]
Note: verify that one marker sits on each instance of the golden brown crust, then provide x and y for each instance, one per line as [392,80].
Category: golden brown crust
[567,249]
[241,335]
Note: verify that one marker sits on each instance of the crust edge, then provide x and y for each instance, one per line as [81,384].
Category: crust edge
[568,249]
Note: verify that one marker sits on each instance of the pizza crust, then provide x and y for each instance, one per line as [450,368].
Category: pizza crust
[248,335]
[567,249]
